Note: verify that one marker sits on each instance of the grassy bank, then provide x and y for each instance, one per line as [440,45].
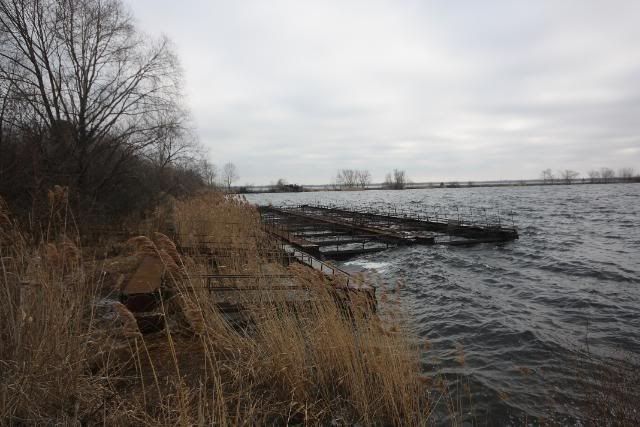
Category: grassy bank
[69,353]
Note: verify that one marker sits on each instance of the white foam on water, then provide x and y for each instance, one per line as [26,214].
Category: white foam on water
[369,265]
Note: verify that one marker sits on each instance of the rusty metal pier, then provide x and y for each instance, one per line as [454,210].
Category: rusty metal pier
[333,232]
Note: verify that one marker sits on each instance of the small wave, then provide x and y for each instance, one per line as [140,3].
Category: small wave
[531,303]
[369,265]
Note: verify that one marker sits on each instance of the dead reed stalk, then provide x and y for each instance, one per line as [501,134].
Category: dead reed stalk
[296,360]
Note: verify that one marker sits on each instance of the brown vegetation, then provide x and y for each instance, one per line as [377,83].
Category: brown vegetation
[70,353]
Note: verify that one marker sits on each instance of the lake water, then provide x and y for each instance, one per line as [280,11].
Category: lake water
[525,311]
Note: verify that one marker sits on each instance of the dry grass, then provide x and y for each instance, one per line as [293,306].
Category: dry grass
[69,355]
[299,360]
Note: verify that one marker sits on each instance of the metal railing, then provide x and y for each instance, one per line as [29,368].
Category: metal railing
[463,216]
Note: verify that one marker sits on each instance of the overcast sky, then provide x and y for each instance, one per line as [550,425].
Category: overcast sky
[448,90]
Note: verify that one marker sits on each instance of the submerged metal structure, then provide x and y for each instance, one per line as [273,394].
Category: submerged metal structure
[334,232]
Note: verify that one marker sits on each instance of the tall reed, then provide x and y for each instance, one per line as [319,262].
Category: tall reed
[298,357]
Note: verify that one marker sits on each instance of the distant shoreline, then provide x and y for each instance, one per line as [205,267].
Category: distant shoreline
[294,188]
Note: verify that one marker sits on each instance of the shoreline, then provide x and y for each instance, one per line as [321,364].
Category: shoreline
[294,188]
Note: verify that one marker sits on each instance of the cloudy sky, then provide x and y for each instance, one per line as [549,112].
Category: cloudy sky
[447,90]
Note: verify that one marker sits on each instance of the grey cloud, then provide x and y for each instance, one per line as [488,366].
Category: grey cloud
[446,90]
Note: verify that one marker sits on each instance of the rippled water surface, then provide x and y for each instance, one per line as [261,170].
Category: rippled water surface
[525,310]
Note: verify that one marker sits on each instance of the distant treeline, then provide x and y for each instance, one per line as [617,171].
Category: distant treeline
[555,180]
[602,175]
[354,179]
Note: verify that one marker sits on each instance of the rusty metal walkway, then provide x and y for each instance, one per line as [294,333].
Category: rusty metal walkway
[339,233]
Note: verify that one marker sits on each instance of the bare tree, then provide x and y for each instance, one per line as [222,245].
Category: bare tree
[363,178]
[229,174]
[208,172]
[626,173]
[547,176]
[568,175]
[347,178]
[399,178]
[12,111]
[5,104]
[173,144]
[350,177]
[339,180]
[396,180]
[607,174]
[388,181]
[594,175]
[280,185]
[82,71]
